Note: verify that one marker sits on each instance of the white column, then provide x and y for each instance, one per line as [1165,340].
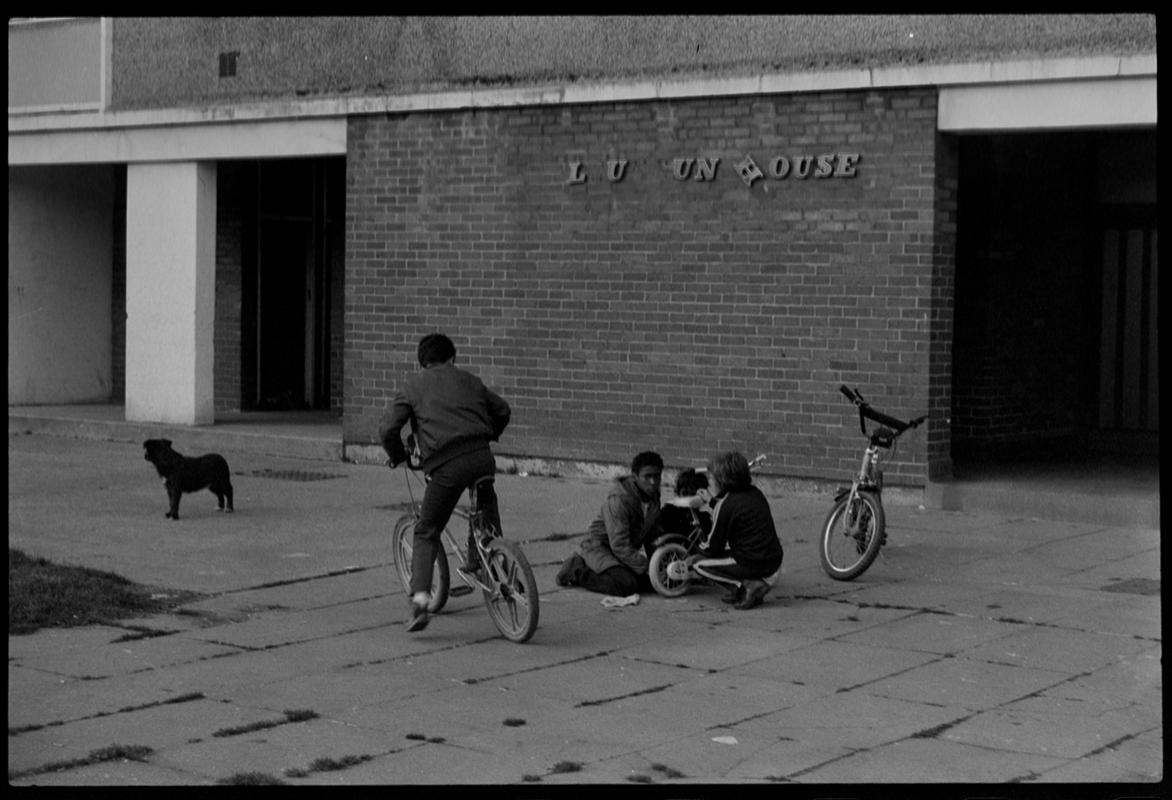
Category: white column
[170,292]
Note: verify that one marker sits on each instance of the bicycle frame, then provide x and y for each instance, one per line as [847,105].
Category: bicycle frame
[870,477]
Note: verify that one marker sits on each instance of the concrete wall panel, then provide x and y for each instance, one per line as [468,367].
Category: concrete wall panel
[60,240]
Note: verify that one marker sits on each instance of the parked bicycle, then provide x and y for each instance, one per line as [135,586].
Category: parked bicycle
[855,528]
[670,565]
[506,579]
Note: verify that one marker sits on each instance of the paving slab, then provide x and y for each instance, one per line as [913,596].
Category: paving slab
[972,684]
[933,761]
[835,665]
[161,727]
[1022,728]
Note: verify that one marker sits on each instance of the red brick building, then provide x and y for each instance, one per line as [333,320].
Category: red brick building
[680,234]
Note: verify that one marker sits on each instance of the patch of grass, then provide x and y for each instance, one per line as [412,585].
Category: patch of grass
[566,766]
[290,716]
[116,752]
[250,779]
[42,594]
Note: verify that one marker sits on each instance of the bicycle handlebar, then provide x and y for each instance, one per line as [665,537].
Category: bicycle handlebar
[866,412]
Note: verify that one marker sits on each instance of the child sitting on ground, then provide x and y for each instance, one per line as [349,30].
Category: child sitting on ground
[690,506]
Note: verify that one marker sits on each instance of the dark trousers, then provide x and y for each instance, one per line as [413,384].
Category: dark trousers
[446,484]
[619,580]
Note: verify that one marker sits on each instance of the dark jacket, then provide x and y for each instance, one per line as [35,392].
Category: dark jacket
[617,535]
[743,524]
[451,412]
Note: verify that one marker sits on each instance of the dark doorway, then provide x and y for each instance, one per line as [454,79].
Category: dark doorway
[1054,350]
[292,299]
[1128,380]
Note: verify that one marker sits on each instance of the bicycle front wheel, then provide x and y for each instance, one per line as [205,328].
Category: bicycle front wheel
[403,547]
[851,536]
[512,603]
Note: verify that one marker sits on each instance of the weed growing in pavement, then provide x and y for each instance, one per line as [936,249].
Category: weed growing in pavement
[250,779]
[566,766]
[117,752]
[290,716]
[42,594]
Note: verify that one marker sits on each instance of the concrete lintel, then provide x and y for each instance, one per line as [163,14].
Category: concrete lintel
[1041,106]
[243,139]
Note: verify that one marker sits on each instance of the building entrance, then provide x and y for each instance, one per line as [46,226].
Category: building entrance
[1055,338]
[295,295]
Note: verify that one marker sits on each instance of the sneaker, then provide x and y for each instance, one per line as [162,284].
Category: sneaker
[418,619]
[470,571]
[733,595]
[755,592]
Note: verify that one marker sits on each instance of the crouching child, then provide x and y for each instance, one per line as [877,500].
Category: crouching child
[743,549]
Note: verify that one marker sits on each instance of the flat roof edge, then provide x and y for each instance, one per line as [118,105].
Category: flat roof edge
[975,73]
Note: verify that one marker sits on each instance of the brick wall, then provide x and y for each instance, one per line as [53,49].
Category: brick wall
[118,292]
[941,326]
[232,188]
[687,316]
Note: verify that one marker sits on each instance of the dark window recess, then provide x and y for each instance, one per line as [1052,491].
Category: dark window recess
[228,63]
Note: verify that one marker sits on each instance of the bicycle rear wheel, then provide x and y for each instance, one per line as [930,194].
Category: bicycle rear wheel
[513,603]
[851,536]
[403,547]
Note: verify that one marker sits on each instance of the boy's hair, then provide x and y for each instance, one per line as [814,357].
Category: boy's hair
[689,481]
[731,470]
[648,458]
[435,348]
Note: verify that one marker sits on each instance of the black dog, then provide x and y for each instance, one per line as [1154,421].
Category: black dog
[181,474]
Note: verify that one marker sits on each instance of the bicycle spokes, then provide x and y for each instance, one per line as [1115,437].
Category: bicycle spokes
[852,535]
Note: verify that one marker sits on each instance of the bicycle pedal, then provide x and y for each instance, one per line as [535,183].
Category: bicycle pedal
[460,591]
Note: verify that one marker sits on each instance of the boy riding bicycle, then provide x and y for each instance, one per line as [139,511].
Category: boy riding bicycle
[454,416]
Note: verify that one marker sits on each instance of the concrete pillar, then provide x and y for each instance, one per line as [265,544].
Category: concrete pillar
[170,292]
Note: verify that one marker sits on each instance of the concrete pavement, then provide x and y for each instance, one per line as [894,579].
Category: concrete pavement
[980,648]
